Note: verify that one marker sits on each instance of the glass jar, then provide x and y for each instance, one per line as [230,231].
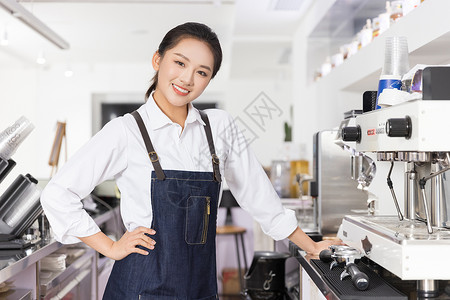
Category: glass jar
[396,10]
[280,177]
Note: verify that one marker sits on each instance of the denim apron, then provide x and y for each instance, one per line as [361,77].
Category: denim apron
[183,264]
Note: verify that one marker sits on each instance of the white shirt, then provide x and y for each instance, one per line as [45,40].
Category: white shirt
[118,151]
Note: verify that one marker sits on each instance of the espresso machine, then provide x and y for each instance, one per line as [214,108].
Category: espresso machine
[412,243]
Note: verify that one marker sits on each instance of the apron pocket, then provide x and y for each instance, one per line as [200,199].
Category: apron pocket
[197,219]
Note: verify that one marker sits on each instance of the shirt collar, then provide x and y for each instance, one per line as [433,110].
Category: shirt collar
[158,119]
[194,115]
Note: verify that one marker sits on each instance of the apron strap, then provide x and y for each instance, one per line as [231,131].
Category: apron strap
[148,144]
[215,158]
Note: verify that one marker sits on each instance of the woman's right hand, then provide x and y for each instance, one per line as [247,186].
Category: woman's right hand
[128,242]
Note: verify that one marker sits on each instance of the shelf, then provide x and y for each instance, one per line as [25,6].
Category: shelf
[12,262]
[427,29]
[56,278]
[17,294]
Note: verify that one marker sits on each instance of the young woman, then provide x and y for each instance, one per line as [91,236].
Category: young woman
[168,160]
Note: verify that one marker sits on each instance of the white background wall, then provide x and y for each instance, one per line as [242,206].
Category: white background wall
[315,107]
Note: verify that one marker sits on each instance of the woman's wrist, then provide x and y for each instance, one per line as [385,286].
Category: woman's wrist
[301,239]
[99,242]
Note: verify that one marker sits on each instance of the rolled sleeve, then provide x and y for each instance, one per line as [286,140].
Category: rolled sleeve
[68,219]
[100,159]
[283,225]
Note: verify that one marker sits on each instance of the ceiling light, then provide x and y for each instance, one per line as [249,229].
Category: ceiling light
[41,58]
[68,73]
[28,18]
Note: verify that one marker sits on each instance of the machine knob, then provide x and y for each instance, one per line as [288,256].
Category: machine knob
[399,127]
[351,134]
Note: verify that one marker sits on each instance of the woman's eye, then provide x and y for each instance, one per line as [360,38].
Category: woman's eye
[179,63]
[202,73]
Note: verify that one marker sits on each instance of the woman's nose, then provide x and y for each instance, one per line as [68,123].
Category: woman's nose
[187,77]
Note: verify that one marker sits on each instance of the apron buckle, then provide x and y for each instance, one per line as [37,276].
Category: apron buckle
[153,156]
[215,159]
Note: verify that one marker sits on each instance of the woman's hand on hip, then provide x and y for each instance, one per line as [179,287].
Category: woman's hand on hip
[130,240]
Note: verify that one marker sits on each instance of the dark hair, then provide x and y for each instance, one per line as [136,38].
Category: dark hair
[189,30]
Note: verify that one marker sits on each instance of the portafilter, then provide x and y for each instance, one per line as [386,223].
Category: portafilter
[347,257]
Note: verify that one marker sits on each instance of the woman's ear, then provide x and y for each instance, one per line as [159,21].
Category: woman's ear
[155,61]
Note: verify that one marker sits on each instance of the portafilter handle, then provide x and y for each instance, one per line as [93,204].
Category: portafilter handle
[360,280]
[325,256]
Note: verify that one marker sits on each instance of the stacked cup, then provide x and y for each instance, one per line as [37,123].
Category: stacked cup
[396,64]
[10,139]
[13,136]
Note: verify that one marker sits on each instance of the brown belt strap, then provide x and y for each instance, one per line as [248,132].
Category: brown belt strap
[215,158]
[148,144]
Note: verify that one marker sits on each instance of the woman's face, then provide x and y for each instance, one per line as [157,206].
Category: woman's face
[183,72]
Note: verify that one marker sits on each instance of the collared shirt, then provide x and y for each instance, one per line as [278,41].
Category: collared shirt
[118,152]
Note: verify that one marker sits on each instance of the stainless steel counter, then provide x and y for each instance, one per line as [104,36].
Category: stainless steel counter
[12,262]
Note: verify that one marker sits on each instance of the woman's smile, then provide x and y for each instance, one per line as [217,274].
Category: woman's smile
[179,90]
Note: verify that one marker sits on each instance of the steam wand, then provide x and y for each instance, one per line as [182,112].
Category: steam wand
[391,187]
[425,203]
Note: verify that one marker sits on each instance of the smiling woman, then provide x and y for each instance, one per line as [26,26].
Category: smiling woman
[168,160]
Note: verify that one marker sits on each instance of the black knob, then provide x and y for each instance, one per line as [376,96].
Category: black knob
[351,134]
[399,127]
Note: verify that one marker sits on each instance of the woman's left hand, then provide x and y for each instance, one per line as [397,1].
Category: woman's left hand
[301,239]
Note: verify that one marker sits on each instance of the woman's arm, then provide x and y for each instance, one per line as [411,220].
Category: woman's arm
[101,158]
[127,244]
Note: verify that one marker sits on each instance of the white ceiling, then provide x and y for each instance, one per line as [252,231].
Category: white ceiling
[256,39]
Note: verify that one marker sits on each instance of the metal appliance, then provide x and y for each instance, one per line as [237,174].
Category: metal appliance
[409,244]
[19,204]
[337,193]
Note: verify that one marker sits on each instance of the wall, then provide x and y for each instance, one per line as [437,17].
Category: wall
[316,107]
[45,95]
[243,96]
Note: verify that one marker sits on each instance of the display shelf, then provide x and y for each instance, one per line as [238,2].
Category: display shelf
[55,278]
[427,29]
[13,262]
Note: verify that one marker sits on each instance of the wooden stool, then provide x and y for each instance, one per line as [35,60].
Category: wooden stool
[236,231]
